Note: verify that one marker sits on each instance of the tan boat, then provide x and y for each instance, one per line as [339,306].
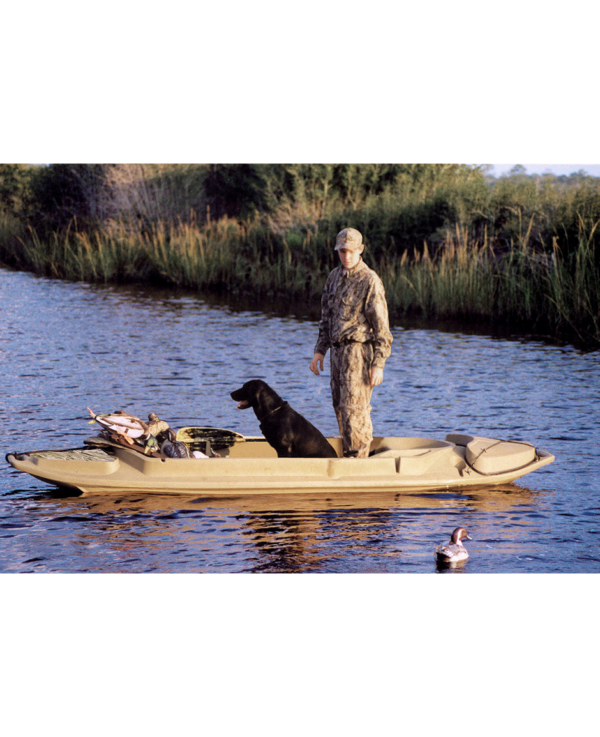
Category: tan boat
[250,466]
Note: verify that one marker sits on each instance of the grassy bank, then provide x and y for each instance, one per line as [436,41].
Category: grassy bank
[538,294]
[541,292]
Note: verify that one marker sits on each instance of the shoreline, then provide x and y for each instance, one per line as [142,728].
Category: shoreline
[285,306]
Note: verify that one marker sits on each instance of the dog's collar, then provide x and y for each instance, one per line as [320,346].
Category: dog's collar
[272,412]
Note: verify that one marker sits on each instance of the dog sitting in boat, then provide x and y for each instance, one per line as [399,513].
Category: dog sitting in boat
[284,429]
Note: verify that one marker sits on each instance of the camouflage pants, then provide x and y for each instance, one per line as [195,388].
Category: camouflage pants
[351,394]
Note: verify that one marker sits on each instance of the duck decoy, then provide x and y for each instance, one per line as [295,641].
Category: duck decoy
[454,551]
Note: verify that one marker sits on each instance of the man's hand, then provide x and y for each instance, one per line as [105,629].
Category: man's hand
[376,376]
[317,359]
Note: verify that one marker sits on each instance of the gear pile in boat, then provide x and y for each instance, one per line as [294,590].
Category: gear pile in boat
[151,438]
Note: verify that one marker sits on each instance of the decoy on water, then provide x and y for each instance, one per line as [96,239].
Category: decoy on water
[454,551]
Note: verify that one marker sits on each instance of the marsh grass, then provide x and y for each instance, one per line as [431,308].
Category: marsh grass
[467,278]
[520,288]
[572,288]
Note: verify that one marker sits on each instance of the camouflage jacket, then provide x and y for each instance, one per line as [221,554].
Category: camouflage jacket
[353,308]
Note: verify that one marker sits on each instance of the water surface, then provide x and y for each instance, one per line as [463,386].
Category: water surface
[66,346]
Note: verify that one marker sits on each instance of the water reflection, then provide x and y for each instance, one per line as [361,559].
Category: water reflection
[458,566]
[280,533]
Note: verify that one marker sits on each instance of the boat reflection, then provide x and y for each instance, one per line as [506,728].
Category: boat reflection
[495,498]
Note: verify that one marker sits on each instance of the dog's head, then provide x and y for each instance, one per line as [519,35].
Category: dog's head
[256,394]
[247,396]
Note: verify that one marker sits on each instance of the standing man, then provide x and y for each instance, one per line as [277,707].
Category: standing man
[355,325]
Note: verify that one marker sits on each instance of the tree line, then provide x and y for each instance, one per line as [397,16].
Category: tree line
[399,207]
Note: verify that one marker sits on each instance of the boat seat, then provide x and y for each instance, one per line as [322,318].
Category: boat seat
[401,452]
[489,457]
[407,447]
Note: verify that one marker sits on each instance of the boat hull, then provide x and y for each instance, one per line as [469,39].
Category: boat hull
[251,467]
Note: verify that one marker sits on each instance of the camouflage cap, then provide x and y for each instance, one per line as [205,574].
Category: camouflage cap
[349,238]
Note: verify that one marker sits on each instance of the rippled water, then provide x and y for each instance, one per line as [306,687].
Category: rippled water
[67,346]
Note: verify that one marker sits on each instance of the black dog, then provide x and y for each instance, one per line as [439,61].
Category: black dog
[288,432]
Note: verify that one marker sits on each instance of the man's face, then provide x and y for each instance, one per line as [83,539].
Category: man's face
[350,257]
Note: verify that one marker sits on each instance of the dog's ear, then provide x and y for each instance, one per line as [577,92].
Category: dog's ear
[258,392]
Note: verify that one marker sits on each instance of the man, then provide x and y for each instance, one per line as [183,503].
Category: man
[355,325]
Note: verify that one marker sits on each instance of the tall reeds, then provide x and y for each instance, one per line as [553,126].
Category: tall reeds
[520,288]
[465,276]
